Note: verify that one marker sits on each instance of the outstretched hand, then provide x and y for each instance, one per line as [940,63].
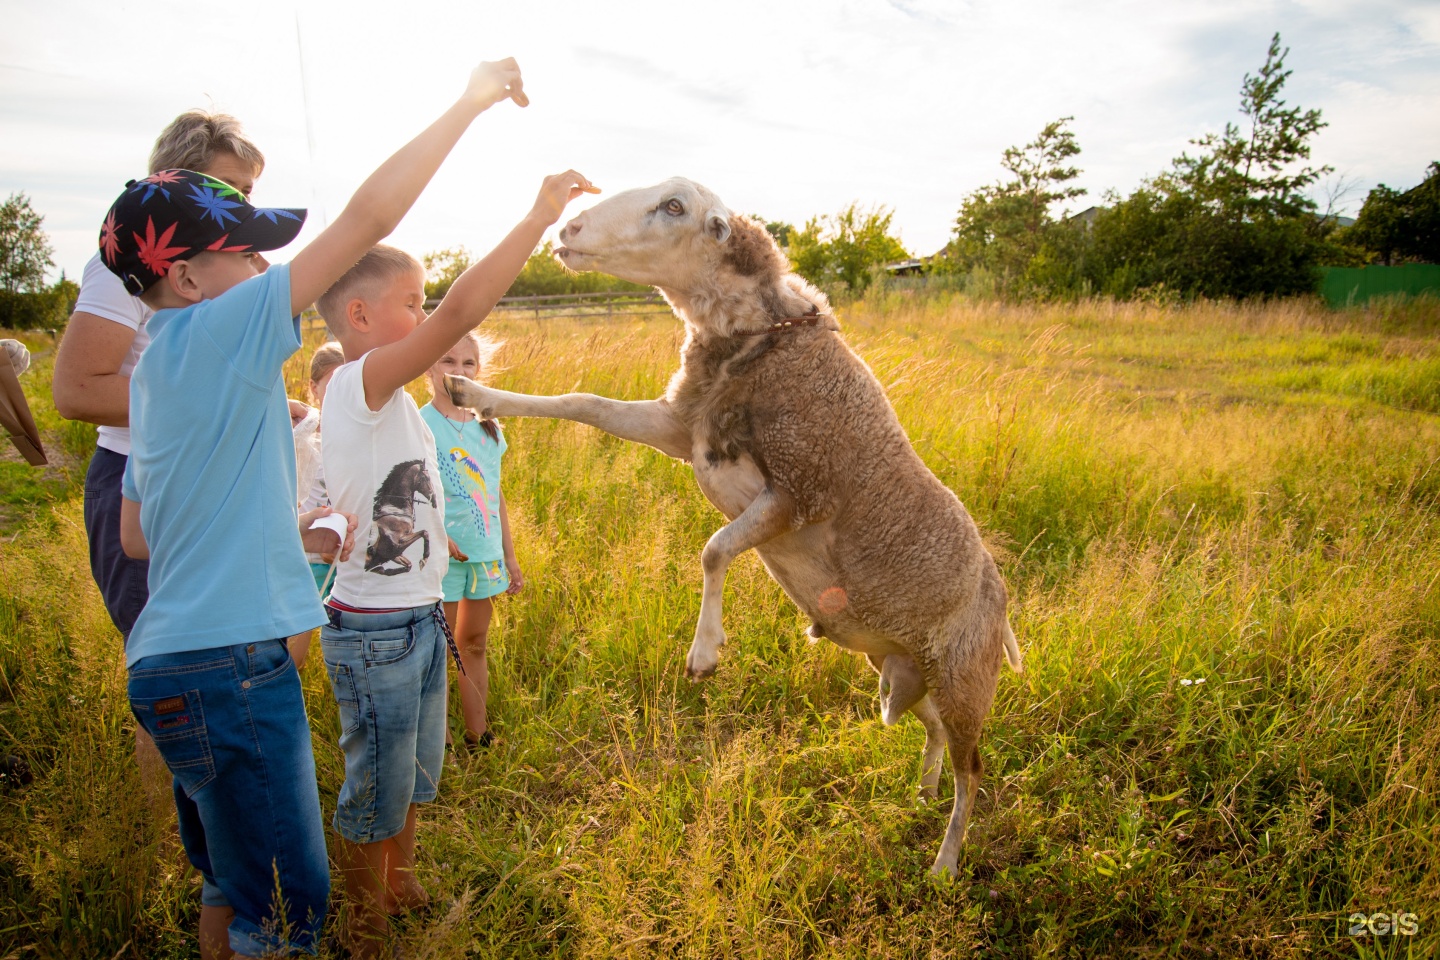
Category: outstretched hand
[494,81]
[557,191]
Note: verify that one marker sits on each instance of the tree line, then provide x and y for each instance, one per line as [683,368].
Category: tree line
[27,301]
[1231,218]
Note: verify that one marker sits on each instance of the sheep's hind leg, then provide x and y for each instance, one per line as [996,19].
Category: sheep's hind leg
[902,688]
[769,515]
[963,733]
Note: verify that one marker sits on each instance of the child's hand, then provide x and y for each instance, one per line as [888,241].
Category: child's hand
[298,411]
[517,579]
[455,553]
[492,82]
[557,191]
[322,540]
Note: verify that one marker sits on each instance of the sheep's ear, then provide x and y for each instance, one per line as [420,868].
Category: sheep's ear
[717,224]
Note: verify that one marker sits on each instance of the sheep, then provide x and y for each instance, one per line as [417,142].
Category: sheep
[792,438]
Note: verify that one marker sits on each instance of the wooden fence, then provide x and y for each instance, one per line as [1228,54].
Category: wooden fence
[602,306]
[605,305]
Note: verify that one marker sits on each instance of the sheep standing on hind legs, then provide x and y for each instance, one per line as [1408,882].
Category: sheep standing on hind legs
[791,437]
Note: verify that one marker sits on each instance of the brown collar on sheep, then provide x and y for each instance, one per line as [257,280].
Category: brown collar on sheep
[784,323]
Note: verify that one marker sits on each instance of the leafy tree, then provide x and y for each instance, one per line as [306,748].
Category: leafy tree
[1401,226]
[841,252]
[443,268]
[1004,227]
[26,301]
[1255,176]
[25,251]
[779,230]
[48,308]
[541,275]
[1231,221]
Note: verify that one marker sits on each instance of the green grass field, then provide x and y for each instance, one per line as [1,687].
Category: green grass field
[1221,530]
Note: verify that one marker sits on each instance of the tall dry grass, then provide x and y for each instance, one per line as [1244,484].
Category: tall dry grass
[1219,525]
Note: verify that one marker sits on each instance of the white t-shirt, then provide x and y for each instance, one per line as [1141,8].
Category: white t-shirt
[380,465]
[309,471]
[102,294]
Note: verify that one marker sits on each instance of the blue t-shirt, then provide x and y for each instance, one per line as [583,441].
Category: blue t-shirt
[470,473]
[212,464]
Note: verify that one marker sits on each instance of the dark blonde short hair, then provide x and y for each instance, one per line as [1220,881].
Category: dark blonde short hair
[382,264]
[192,139]
[326,357]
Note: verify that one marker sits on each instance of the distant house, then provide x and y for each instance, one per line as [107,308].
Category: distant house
[906,268]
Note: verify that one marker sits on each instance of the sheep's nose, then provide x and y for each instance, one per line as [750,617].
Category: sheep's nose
[570,229]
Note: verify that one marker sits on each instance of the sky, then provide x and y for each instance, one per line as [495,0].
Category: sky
[785,108]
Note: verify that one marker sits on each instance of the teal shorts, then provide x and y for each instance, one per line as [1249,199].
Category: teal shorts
[320,571]
[474,579]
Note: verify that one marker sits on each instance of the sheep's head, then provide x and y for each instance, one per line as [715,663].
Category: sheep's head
[670,235]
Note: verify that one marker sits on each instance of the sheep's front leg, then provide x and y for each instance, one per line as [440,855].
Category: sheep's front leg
[769,515]
[650,422]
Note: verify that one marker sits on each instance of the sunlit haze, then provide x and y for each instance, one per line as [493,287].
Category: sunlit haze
[785,109]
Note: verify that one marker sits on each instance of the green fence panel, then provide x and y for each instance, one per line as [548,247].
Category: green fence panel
[1351,286]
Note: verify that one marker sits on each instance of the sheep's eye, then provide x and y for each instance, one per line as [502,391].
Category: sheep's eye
[674,208]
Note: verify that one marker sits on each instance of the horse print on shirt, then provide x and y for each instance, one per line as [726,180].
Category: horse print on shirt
[394,519]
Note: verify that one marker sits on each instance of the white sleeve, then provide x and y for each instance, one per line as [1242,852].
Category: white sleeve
[102,294]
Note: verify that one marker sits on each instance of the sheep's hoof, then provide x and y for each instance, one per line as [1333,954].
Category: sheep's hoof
[700,672]
[704,654]
[944,872]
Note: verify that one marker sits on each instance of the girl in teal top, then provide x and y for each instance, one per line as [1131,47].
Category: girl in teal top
[482,557]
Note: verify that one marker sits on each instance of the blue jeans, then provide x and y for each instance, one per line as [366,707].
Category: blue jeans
[122,581]
[388,674]
[230,723]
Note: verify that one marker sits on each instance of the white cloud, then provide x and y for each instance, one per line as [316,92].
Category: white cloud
[785,109]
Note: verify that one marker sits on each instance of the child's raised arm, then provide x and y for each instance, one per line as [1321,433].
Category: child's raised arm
[384,199]
[472,296]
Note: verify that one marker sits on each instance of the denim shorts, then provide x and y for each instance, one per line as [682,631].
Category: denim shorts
[122,581]
[230,723]
[387,671]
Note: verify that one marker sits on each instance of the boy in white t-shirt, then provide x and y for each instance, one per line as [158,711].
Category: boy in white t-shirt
[385,643]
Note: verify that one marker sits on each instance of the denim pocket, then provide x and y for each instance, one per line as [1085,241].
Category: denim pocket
[177,725]
[267,660]
[342,682]
[389,646]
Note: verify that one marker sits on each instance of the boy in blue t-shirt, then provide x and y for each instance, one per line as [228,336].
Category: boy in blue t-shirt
[210,496]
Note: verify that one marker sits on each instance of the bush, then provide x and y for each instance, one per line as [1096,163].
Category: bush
[45,309]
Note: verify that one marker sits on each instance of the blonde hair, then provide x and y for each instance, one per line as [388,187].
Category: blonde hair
[486,348]
[326,357]
[192,139]
[382,262]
